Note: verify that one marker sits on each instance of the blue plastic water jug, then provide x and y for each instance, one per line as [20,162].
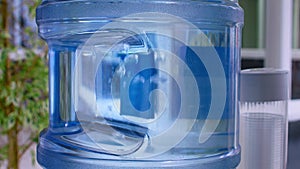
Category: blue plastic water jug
[141,83]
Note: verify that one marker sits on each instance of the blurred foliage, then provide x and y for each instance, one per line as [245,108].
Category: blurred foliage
[23,84]
[27,91]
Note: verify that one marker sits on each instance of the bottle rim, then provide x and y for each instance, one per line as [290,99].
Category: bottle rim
[50,11]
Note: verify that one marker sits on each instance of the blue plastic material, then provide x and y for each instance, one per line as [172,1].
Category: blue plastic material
[141,84]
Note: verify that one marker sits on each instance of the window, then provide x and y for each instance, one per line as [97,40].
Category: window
[254,39]
[254,27]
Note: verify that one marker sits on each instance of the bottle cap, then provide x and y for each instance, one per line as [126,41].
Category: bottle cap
[264,84]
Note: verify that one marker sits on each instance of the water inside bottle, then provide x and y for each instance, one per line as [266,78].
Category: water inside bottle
[138,92]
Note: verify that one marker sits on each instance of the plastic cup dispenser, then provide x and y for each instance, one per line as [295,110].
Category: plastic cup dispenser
[264,95]
[141,84]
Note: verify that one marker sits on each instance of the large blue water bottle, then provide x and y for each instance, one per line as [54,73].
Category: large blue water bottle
[141,83]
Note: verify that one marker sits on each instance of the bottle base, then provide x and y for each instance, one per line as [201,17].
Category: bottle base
[52,156]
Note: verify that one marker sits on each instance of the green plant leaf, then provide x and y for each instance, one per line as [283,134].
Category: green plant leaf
[24,95]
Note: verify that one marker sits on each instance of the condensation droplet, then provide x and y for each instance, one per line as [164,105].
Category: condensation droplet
[132,59]
[139,79]
[126,47]
[159,57]
[121,70]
